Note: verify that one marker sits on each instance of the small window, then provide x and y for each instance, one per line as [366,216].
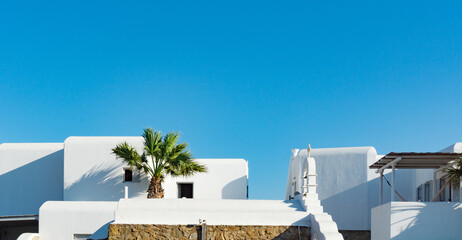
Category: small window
[419,193]
[185,190]
[131,175]
[128,177]
[81,236]
[427,191]
[443,194]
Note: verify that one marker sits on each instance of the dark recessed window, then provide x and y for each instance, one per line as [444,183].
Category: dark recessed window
[185,190]
[128,175]
[81,236]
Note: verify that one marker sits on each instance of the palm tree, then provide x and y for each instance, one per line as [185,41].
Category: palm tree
[161,156]
[453,175]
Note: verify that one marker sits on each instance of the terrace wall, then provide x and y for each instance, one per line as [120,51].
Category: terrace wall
[161,232]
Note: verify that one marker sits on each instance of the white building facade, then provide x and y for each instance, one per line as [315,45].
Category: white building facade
[83,184]
[422,215]
[84,169]
[349,191]
[93,173]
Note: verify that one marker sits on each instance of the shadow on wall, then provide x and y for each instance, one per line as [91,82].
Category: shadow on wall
[26,188]
[101,233]
[229,190]
[16,229]
[104,182]
[351,209]
[436,221]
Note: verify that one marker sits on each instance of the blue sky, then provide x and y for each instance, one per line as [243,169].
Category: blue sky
[238,79]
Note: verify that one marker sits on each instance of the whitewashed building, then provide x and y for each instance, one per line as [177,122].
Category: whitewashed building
[78,188]
[422,214]
[91,219]
[349,190]
[92,173]
[84,169]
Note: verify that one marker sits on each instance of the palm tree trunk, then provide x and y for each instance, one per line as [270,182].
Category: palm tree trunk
[155,189]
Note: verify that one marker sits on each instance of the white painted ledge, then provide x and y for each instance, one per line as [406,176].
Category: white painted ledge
[215,212]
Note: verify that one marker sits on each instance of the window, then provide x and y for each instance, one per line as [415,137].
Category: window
[427,192]
[443,194]
[81,236]
[455,195]
[128,177]
[185,190]
[131,175]
[446,195]
[419,193]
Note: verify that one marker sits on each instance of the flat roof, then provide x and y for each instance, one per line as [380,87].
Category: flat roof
[414,160]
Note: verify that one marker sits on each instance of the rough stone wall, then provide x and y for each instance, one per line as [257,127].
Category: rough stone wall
[218,232]
[356,235]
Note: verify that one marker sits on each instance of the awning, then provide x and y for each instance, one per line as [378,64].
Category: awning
[414,160]
[411,160]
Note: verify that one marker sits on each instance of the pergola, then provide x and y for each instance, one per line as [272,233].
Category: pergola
[412,160]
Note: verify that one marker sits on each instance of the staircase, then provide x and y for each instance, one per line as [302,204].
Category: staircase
[301,186]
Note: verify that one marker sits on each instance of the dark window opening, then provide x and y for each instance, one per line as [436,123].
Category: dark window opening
[443,194]
[247,192]
[419,193]
[128,175]
[185,190]
[81,236]
[427,192]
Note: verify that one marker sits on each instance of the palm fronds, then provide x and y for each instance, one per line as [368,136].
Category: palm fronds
[161,156]
[454,174]
[128,154]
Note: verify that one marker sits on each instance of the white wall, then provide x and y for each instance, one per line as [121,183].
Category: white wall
[214,211]
[225,179]
[29,236]
[61,220]
[342,175]
[342,184]
[30,174]
[380,225]
[92,173]
[347,188]
[417,220]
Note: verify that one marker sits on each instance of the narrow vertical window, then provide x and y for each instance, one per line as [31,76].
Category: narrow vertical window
[419,194]
[128,175]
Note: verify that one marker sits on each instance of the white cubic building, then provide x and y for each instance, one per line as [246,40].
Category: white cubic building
[84,169]
[93,173]
[78,189]
[349,190]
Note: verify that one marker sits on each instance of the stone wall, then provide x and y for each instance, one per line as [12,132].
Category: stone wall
[219,232]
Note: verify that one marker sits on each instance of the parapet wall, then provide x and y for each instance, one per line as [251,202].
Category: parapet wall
[164,232]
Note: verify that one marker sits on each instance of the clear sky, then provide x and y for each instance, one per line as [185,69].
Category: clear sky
[238,79]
